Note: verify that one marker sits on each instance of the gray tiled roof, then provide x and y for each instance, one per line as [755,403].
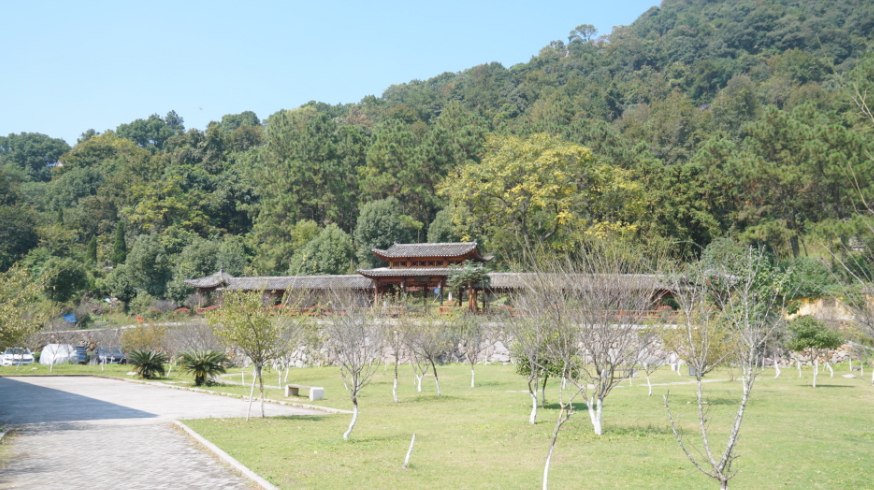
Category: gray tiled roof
[220,278]
[411,272]
[428,250]
[519,280]
[284,283]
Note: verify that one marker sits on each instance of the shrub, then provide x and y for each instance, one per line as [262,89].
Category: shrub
[203,364]
[148,364]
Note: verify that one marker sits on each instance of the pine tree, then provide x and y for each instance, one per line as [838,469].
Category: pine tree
[119,247]
[91,251]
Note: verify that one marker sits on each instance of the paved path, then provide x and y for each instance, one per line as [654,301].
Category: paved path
[99,433]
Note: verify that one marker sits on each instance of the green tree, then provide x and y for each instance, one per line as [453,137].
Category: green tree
[32,152]
[204,257]
[441,230]
[395,168]
[245,323]
[153,132]
[379,226]
[149,266]
[22,311]
[18,234]
[91,251]
[304,172]
[68,279]
[331,252]
[812,336]
[119,246]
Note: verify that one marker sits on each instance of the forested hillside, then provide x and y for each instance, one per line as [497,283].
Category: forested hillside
[742,119]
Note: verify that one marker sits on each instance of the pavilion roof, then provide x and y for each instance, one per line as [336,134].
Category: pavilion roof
[280,283]
[411,272]
[220,278]
[456,249]
[286,283]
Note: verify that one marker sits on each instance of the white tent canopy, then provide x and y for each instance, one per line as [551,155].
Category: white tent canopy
[56,354]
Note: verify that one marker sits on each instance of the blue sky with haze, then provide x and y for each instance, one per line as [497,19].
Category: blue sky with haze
[71,66]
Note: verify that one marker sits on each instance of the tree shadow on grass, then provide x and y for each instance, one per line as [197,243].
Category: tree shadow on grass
[637,431]
[433,398]
[818,386]
[301,418]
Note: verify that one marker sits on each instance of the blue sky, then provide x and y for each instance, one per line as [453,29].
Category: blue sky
[71,66]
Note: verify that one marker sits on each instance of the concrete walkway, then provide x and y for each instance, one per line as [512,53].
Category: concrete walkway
[74,432]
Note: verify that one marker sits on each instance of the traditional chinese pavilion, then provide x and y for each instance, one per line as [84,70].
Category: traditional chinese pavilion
[412,269]
[420,266]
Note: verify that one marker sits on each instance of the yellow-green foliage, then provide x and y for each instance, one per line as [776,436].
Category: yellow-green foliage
[22,309]
[528,191]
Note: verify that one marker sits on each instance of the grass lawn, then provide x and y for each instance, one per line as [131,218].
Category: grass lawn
[478,438]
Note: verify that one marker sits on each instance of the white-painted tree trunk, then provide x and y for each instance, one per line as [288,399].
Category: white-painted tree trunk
[776,368]
[419,382]
[261,389]
[286,373]
[251,397]
[436,379]
[815,370]
[648,383]
[798,363]
[594,405]
[472,378]
[394,388]
[409,452]
[829,366]
[561,420]
[533,417]
[851,364]
[354,418]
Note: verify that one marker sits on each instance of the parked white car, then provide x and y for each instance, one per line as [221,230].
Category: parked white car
[16,355]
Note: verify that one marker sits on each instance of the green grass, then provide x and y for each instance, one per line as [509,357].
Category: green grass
[793,436]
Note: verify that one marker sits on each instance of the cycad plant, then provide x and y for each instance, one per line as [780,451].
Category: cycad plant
[148,364]
[203,364]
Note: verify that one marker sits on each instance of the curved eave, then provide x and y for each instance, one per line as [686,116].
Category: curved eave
[385,272]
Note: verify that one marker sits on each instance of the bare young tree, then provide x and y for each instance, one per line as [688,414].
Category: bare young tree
[548,340]
[612,297]
[472,334]
[354,339]
[649,357]
[727,312]
[582,320]
[429,339]
[394,338]
[529,338]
